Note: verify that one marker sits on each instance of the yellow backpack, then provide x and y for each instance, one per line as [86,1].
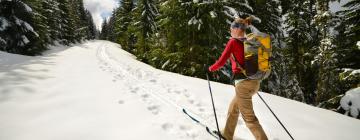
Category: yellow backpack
[257,51]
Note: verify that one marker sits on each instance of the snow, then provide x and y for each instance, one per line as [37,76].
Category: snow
[152,8]
[27,8]
[2,40]
[27,25]
[193,20]
[199,25]
[347,70]
[326,14]
[25,40]
[351,102]
[213,14]
[355,72]
[165,64]
[164,3]
[231,12]
[246,4]
[97,91]
[4,24]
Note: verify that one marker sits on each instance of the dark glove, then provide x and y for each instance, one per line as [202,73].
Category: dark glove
[215,75]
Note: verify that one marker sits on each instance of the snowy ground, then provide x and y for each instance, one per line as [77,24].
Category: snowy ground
[96,91]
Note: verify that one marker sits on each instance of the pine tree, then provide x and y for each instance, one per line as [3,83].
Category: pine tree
[79,16]
[104,30]
[349,34]
[91,32]
[122,23]
[282,81]
[17,34]
[325,60]
[28,26]
[67,22]
[267,16]
[112,36]
[145,24]
[298,35]
[299,45]
[51,12]
[39,24]
[346,36]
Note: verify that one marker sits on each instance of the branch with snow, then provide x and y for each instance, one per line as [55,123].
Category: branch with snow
[351,102]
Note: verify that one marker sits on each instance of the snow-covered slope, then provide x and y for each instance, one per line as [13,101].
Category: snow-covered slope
[97,91]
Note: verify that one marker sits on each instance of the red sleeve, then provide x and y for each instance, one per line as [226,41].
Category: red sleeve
[224,56]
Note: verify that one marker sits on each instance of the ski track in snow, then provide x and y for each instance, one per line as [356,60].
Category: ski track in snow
[146,84]
[152,91]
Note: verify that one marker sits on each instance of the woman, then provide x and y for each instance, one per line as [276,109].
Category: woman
[244,88]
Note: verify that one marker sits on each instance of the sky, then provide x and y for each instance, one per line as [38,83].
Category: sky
[100,9]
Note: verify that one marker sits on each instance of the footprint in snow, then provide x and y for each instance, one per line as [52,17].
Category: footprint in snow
[167,126]
[199,104]
[201,109]
[145,96]
[191,101]
[187,95]
[134,90]
[154,109]
[177,92]
[121,102]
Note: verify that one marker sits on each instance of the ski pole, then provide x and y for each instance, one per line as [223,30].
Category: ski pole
[275,116]
[212,101]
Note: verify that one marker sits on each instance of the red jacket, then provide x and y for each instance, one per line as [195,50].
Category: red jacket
[235,47]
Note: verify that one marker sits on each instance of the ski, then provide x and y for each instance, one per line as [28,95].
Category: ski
[212,132]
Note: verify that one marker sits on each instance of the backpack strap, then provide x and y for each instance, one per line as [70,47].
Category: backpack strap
[237,62]
[239,66]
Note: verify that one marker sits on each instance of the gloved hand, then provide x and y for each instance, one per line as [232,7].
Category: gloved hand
[215,75]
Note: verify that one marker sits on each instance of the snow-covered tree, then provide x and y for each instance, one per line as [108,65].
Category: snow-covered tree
[325,59]
[104,30]
[112,36]
[348,34]
[40,25]
[282,81]
[350,103]
[91,29]
[122,22]
[80,19]
[298,40]
[52,15]
[17,28]
[146,13]
[67,22]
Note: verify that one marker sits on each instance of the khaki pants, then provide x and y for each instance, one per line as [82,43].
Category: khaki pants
[242,102]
